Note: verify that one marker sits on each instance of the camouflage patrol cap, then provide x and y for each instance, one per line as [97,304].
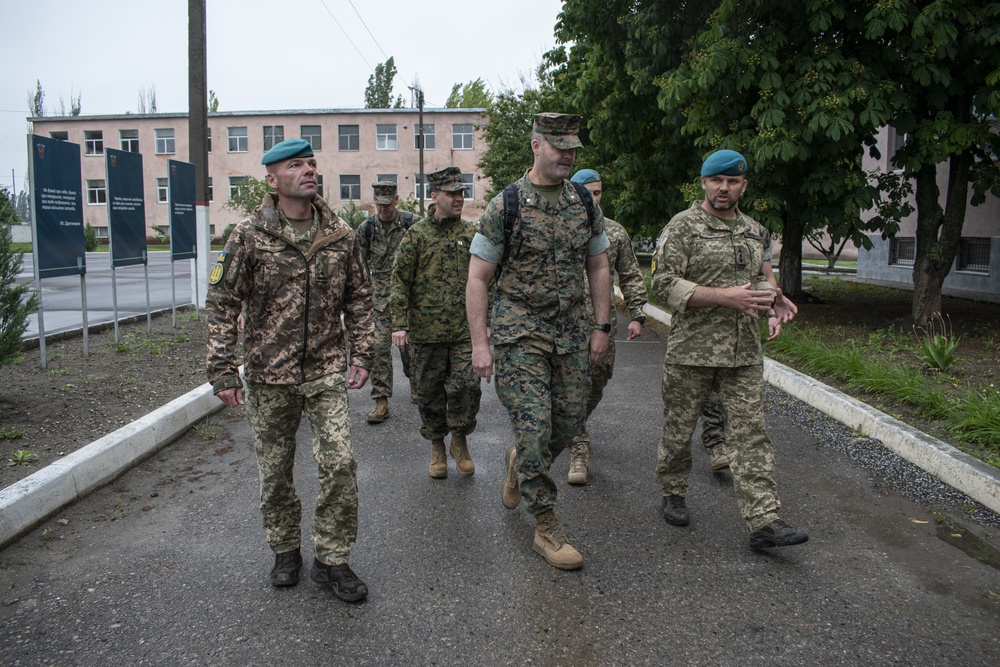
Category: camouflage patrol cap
[559,129]
[385,192]
[448,179]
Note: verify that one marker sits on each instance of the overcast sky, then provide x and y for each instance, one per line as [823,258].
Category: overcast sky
[279,54]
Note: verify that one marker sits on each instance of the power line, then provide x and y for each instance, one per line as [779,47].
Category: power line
[323,2]
[366,28]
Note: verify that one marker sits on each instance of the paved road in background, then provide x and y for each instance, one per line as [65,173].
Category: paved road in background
[61,296]
[168,565]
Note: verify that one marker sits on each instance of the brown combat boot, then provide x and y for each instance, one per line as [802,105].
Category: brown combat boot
[460,452]
[510,493]
[380,412]
[413,391]
[718,456]
[439,460]
[579,462]
[551,543]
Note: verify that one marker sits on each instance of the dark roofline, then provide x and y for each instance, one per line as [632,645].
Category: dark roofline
[280,112]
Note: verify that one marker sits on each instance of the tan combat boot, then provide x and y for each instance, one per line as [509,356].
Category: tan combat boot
[579,462]
[380,412]
[718,456]
[439,460]
[510,493]
[460,452]
[551,543]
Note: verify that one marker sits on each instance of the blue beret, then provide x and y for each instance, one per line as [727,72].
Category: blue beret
[585,176]
[287,150]
[726,162]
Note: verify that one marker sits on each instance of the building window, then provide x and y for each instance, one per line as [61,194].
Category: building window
[974,255]
[93,142]
[235,183]
[902,252]
[59,136]
[128,140]
[313,134]
[470,185]
[319,185]
[349,138]
[237,139]
[897,140]
[208,140]
[102,232]
[461,136]
[273,134]
[385,137]
[393,178]
[420,190]
[428,136]
[164,141]
[211,194]
[161,191]
[96,194]
[350,188]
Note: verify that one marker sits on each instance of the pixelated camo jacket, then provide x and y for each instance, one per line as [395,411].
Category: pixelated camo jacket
[294,301]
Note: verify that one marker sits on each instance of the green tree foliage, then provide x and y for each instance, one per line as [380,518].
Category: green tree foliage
[378,93]
[17,301]
[89,238]
[36,101]
[944,60]
[23,206]
[213,102]
[248,196]
[472,95]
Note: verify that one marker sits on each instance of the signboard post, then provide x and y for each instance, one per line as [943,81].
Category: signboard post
[183,225]
[126,220]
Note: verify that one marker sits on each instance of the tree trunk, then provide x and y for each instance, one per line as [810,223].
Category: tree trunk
[938,233]
[790,276]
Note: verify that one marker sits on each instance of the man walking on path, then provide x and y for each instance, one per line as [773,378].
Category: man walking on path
[427,305]
[544,339]
[380,236]
[708,268]
[623,263]
[296,268]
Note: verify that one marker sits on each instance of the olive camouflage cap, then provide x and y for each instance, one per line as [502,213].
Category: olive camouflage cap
[448,179]
[559,129]
[385,192]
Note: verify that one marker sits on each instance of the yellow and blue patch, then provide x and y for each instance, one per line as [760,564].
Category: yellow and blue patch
[219,270]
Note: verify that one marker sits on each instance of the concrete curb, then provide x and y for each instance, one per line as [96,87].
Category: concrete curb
[27,503]
[976,479]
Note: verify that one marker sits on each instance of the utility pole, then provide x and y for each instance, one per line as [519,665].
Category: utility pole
[197,136]
[420,116]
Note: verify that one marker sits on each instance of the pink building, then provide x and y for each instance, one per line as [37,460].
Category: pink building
[354,148]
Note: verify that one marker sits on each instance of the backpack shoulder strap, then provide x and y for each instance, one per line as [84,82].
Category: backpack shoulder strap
[407,219]
[587,199]
[510,214]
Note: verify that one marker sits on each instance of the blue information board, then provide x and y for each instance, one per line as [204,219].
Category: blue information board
[126,208]
[180,184]
[57,207]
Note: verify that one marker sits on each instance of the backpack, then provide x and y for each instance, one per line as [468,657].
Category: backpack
[367,229]
[512,210]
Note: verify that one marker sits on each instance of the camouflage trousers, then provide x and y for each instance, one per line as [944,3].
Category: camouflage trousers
[274,412]
[600,375]
[741,392]
[713,423]
[448,391]
[381,372]
[545,394]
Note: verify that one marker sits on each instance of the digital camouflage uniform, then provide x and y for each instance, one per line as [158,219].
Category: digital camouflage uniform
[622,261]
[380,252]
[428,302]
[713,417]
[714,349]
[294,287]
[542,326]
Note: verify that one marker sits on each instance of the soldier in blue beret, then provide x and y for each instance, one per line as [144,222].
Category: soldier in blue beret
[297,272]
[708,268]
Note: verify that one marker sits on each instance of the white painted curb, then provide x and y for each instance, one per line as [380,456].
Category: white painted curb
[978,480]
[27,503]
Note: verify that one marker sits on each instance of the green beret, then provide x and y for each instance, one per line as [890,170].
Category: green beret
[725,162]
[286,150]
[559,129]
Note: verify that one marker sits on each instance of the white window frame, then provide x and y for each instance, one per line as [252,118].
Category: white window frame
[97,192]
[273,134]
[208,140]
[162,186]
[386,139]
[428,136]
[234,184]
[460,139]
[319,184]
[470,185]
[237,140]
[211,193]
[388,177]
[416,187]
[129,144]
[353,140]
[93,142]
[165,141]
[350,188]
[315,140]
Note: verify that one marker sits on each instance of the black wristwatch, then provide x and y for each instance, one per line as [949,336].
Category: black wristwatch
[641,319]
[606,328]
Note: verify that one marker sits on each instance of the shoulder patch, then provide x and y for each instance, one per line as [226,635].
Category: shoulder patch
[219,270]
